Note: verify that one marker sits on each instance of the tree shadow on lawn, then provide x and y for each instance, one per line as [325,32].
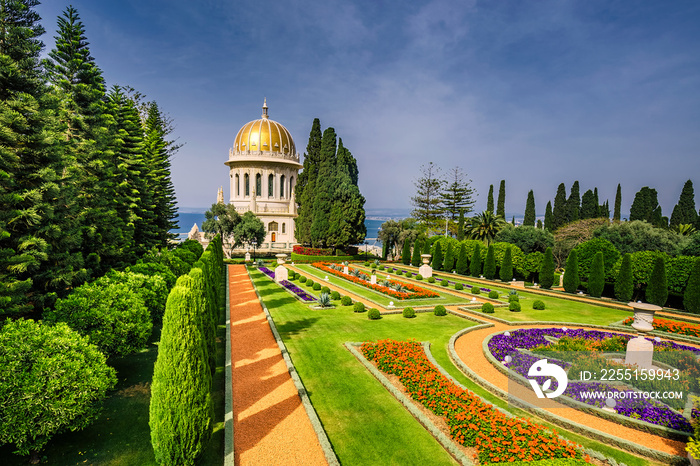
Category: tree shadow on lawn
[295,327]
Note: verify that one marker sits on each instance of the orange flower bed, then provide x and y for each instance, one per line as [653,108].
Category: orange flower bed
[474,423]
[671,326]
[415,292]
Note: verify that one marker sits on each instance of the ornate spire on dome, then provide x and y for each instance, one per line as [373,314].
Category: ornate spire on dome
[264,115]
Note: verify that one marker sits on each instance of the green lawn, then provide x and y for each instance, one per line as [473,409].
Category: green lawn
[364,422]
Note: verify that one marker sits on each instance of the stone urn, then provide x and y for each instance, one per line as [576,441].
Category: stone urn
[425,270]
[640,351]
[281,272]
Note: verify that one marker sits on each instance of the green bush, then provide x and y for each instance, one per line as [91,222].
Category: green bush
[571,278]
[691,297]
[514,306]
[547,270]
[317,286]
[193,246]
[346,301]
[302,279]
[440,310]
[185,255]
[513,298]
[444,282]
[475,264]
[382,267]
[51,380]
[459,286]
[325,289]
[506,272]
[657,290]
[113,317]
[358,307]
[437,257]
[168,258]
[373,314]
[154,268]
[538,304]
[490,263]
[366,264]
[624,284]
[419,277]
[596,279]
[152,289]
[476,289]
[487,308]
[431,279]
[335,296]
[586,252]
[493,294]
[310,283]
[408,312]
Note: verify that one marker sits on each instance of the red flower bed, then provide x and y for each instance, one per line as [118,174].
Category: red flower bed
[473,423]
[415,292]
[671,326]
[304,251]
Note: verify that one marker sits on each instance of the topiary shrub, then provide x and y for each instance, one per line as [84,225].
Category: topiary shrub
[431,279]
[444,282]
[325,289]
[547,270]
[514,306]
[493,294]
[691,296]
[596,278]
[440,310]
[419,277]
[358,307]
[51,380]
[346,301]
[571,278]
[317,286]
[538,304]
[408,312]
[382,267]
[335,296]
[476,290]
[373,314]
[487,308]
[366,264]
[302,279]
[459,286]
[624,283]
[513,298]
[657,289]
[310,283]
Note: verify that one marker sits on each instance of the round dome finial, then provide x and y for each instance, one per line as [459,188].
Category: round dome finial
[264,115]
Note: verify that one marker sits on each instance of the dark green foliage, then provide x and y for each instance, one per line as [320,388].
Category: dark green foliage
[444,282]
[487,308]
[185,255]
[485,226]
[506,271]
[373,314]
[571,275]
[560,215]
[415,258]
[462,262]
[589,205]
[692,245]
[324,192]
[167,258]
[490,264]
[317,286]
[573,204]
[527,238]
[385,250]
[657,289]
[548,217]
[51,381]
[221,219]
[325,289]
[113,317]
[457,196]
[513,297]
[618,203]
[641,236]
[538,304]
[152,289]
[419,277]
[475,289]
[181,410]
[644,204]
[586,252]
[154,268]
[427,202]
[192,246]
[529,219]
[533,264]
[347,215]
[460,226]
[431,279]
[691,297]
[493,294]
[596,278]
[459,286]
[358,307]
[448,264]
[207,310]
[346,301]
[437,257]
[302,279]
[684,212]
[514,306]
[306,184]
[408,313]
[501,204]
[475,264]
[440,310]
[489,200]
[335,296]
[249,229]
[406,253]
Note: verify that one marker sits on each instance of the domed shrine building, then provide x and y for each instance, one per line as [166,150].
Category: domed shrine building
[263,168]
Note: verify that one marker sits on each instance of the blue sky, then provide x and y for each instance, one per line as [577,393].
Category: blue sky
[533,92]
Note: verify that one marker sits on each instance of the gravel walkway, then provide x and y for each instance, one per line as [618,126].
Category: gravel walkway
[270,424]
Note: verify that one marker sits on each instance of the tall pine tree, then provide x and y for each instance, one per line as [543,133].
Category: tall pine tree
[306,184]
[427,202]
[457,195]
[684,212]
[347,216]
[324,191]
[618,204]
[548,217]
[529,219]
[501,205]
[489,200]
[589,205]
[573,204]
[559,212]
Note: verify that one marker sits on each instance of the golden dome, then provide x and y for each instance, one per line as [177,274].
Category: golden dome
[264,135]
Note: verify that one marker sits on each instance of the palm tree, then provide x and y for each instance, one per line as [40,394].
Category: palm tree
[484,227]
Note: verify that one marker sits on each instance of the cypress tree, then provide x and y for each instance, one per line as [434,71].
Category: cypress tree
[684,212]
[589,205]
[596,279]
[306,184]
[529,219]
[573,204]
[506,272]
[618,203]
[489,200]
[604,210]
[539,224]
[415,259]
[691,296]
[624,284]
[644,205]
[548,218]
[437,258]
[208,310]
[475,264]
[501,205]
[559,212]
[490,264]
[547,270]
[571,278]
[385,251]
[347,214]
[325,187]
[657,289]
[448,263]
[460,226]
[462,261]
[406,252]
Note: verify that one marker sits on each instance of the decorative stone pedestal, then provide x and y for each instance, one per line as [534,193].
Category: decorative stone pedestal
[640,351]
[373,279]
[425,270]
[345,269]
[247,256]
[281,272]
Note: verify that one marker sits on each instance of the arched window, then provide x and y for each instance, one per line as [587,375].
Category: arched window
[270,186]
[284,227]
[272,226]
[258,185]
[238,186]
[246,181]
[282,186]
[291,183]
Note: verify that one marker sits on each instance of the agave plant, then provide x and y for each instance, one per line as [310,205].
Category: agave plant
[260,263]
[386,283]
[376,262]
[324,300]
[399,287]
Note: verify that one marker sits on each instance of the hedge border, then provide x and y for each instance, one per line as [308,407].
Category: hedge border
[229,456]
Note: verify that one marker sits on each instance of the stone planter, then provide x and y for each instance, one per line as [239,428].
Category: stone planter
[640,351]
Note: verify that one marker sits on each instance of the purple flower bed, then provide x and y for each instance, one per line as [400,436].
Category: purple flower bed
[646,410]
[303,295]
[267,272]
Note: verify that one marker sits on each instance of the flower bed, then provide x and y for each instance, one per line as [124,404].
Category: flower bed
[312,251]
[472,422]
[414,292]
[466,285]
[303,295]
[671,326]
[653,412]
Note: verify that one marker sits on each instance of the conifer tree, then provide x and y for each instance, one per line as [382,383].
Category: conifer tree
[462,261]
[437,257]
[427,203]
[645,205]
[306,184]
[547,271]
[489,200]
[415,258]
[529,219]
[457,195]
[539,224]
[460,226]
[406,252]
[571,278]
[501,205]
[448,263]
[347,215]
[684,212]
[325,187]
[596,279]
[490,264]
[589,205]
[475,264]
[559,212]
[624,284]
[385,250]
[548,217]
[618,203]
[691,296]
[506,271]
[573,204]
[657,289]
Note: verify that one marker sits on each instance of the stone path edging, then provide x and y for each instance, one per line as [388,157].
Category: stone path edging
[228,404]
[306,402]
